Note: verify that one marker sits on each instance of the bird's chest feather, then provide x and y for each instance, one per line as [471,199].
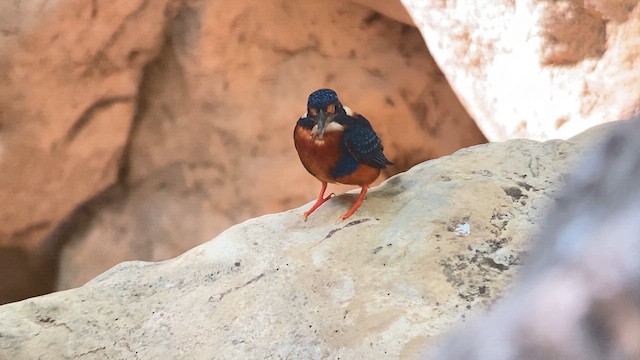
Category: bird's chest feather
[318,155]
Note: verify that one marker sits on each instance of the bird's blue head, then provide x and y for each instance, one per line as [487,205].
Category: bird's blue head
[322,108]
[322,98]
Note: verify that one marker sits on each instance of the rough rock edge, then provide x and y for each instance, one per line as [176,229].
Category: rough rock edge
[579,296]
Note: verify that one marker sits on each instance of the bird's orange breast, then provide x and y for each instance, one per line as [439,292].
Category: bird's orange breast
[318,155]
[362,176]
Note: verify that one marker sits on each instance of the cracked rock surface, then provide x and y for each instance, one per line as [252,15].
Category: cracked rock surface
[578,296]
[428,248]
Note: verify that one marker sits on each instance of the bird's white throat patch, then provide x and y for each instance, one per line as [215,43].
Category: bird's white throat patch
[332,126]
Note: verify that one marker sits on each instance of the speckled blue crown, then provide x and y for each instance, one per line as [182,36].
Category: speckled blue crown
[321,98]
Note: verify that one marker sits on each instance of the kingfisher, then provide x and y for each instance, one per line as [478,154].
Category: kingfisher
[337,145]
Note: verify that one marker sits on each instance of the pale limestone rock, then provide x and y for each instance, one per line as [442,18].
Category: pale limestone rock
[535,68]
[579,295]
[428,248]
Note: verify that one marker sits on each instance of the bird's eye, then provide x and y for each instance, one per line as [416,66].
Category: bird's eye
[313,111]
[331,108]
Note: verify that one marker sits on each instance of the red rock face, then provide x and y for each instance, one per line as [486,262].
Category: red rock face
[138,129]
[70,85]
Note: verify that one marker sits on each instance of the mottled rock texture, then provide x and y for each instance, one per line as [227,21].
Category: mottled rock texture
[70,74]
[137,129]
[428,248]
[579,295]
[535,68]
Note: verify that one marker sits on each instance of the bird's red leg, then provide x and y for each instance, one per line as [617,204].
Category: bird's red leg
[357,204]
[320,201]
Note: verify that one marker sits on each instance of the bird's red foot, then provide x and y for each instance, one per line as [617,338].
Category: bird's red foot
[321,200]
[357,204]
[317,205]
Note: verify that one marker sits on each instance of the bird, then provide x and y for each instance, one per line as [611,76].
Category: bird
[337,145]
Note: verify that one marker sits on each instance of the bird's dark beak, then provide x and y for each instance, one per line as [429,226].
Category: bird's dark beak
[322,122]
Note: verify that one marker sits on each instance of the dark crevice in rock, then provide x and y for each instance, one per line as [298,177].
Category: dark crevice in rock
[352,223]
[80,219]
[525,186]
[100,60]
[185,28]
[514,192]
[90,113]
[257,278]
[492,263]
[152,76]
[22,275]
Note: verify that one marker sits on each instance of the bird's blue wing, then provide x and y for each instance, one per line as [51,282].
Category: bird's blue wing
[364,144]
